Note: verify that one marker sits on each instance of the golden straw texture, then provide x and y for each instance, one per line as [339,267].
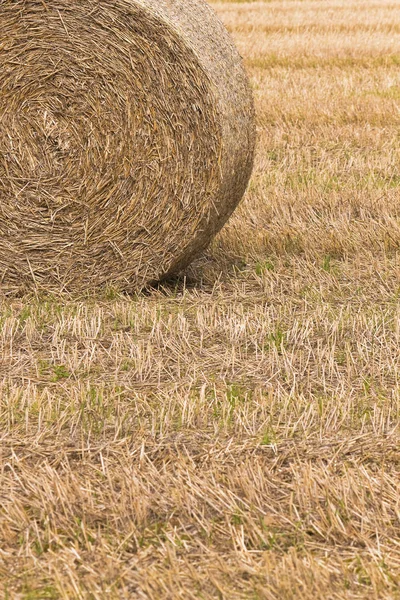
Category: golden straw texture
[126,139]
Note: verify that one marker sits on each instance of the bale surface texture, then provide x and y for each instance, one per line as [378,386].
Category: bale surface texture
[126,139]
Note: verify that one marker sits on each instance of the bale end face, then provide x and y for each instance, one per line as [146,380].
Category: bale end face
[126,140]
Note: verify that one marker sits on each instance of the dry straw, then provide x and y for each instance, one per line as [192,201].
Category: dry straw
[126,139]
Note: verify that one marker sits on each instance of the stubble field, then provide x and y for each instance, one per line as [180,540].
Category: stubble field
[235,434]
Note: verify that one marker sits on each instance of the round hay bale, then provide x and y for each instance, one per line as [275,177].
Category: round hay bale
[126,139]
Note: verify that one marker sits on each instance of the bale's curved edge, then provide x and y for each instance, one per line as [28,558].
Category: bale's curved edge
[217,53]
[116,167]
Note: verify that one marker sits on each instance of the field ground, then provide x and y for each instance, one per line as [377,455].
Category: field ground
[237,436]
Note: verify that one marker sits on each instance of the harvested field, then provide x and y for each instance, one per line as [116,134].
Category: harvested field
[233,434]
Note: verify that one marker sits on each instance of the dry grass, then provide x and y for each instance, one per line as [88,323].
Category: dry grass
[236,437]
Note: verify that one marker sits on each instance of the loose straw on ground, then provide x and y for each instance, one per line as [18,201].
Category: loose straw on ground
[126,140]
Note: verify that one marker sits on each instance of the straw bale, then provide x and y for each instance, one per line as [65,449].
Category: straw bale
[126,139]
